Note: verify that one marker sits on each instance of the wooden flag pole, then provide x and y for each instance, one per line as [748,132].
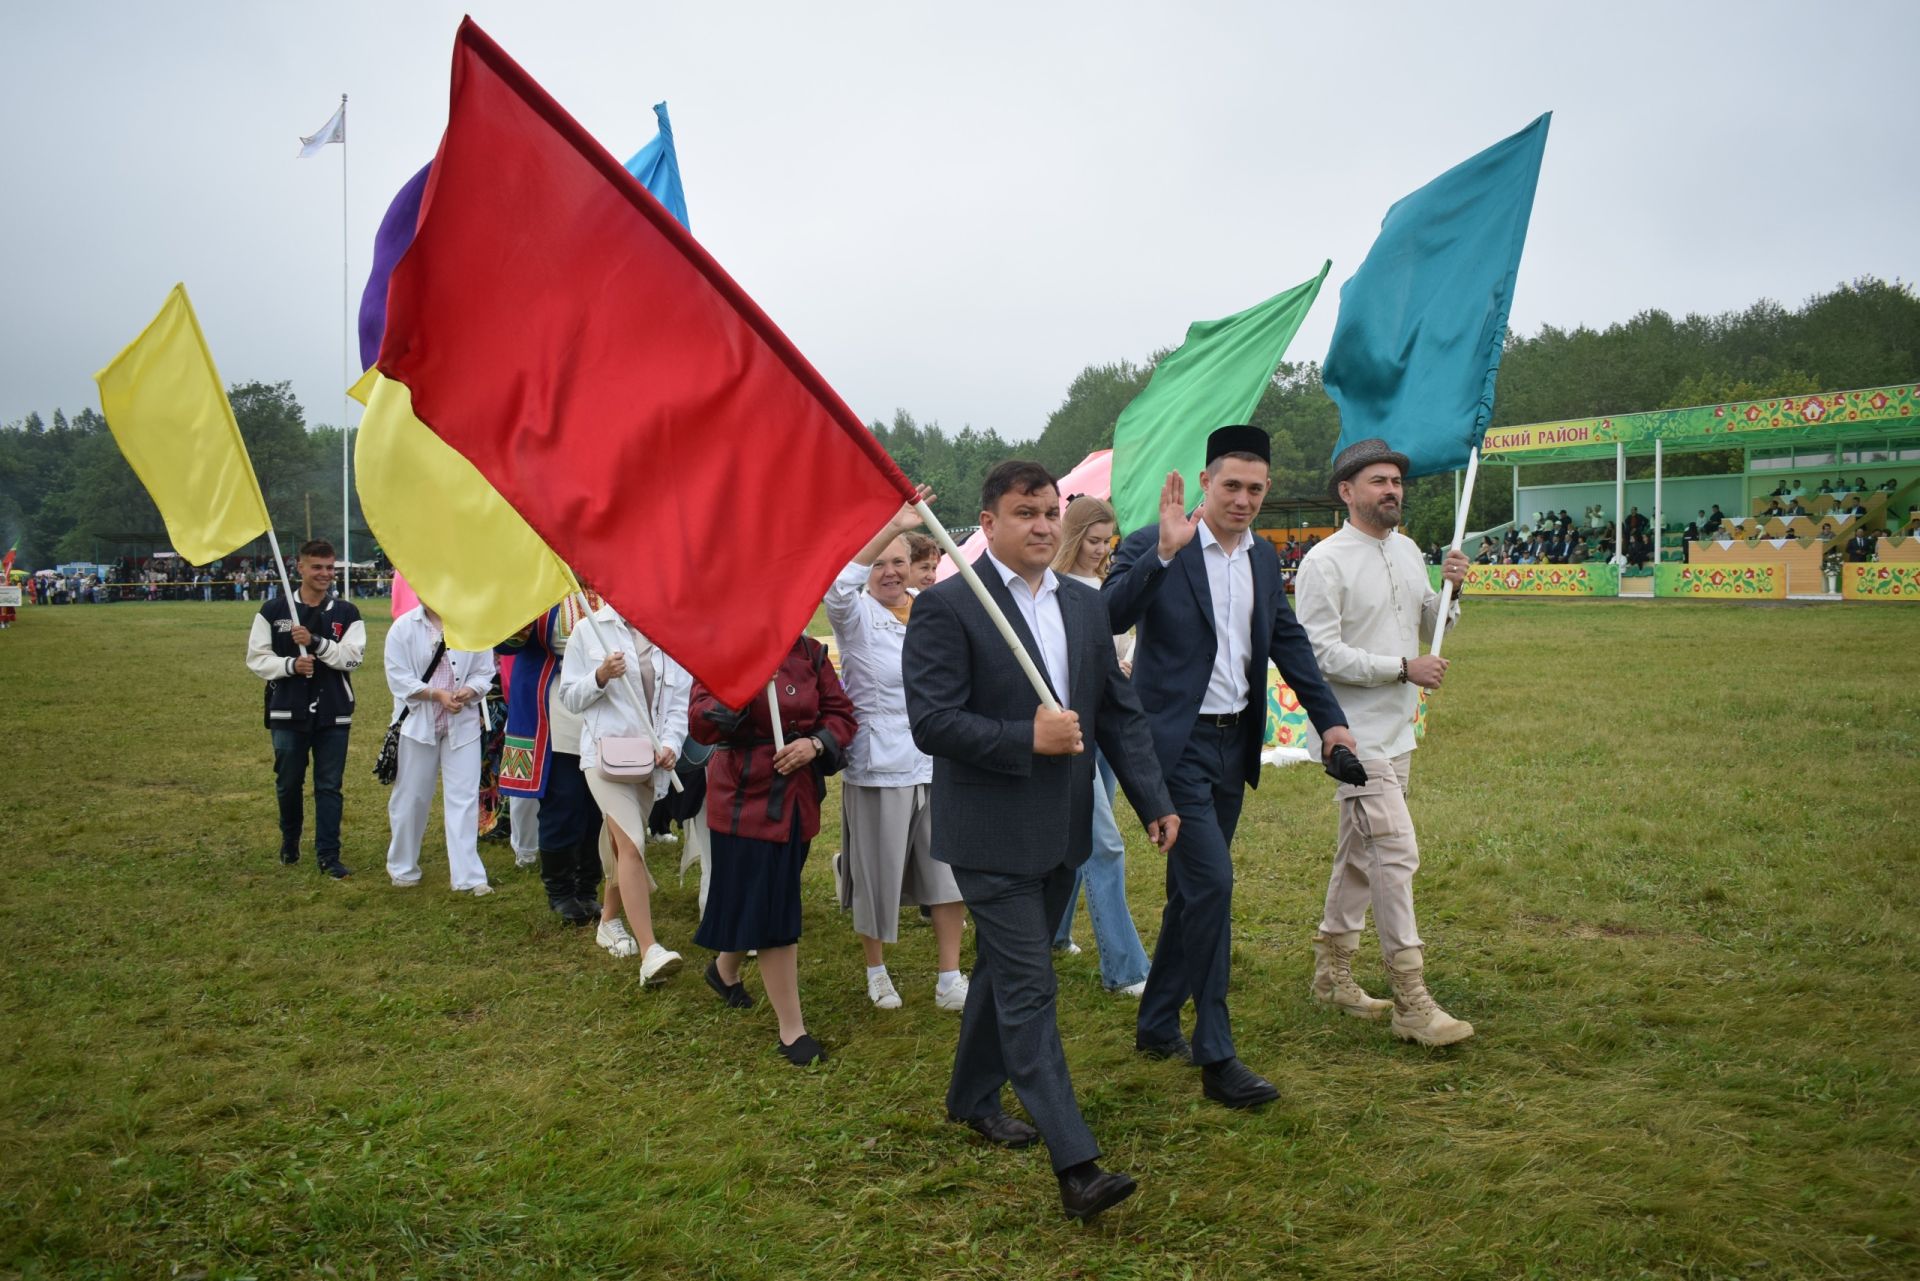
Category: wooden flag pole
[773,709]
[1459,536]
[941,536]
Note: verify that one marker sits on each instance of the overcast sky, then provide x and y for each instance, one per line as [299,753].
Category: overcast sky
[954,208]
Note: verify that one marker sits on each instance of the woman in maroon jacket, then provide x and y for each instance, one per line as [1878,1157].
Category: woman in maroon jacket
[763,808]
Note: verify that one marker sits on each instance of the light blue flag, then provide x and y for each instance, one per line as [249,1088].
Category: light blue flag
[1417,346]
[657,166]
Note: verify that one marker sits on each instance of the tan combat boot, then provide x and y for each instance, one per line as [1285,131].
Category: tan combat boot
[1333,977]
[1415,1016]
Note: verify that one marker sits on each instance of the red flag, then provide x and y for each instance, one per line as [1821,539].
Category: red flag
[565,334]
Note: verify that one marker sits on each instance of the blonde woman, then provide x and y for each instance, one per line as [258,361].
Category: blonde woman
[607,663]
[1086,544]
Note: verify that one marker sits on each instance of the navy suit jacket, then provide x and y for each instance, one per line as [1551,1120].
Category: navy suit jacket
[1171,606]
[997,807]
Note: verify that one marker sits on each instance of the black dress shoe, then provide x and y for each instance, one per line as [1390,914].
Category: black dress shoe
[289,856]
[1235,1084]
[337,870]
[998,1127]
[734,993]
[576,912]
[1176,1049]
[1086,1190]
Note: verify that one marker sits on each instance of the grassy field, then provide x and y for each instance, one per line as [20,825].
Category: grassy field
[1671,868]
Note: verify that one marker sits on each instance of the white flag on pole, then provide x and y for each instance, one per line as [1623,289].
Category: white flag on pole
[335,130]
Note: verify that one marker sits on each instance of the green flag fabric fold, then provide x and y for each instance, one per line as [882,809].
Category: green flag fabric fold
[1216,377]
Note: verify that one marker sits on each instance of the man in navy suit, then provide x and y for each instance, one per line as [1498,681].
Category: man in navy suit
[1013,807]
[1204,592]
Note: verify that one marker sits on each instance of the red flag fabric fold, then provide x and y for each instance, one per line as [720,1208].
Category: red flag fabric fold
[566,335]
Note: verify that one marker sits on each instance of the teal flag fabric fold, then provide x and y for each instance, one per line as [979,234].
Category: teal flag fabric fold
[1416,348]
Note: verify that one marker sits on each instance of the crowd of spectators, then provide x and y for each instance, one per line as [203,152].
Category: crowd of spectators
[157,578]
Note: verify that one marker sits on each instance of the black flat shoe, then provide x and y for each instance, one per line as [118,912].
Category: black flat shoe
[290,856]
[1176,1049]
[1236,1085]
[804,1052]
[734,993]
[999,1128]
[1086,1190]
[337,870]
[577,911]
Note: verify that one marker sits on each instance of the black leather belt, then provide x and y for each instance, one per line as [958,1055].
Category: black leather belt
[1221,720]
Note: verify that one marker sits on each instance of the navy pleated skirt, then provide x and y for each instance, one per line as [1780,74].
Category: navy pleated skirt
[753,893]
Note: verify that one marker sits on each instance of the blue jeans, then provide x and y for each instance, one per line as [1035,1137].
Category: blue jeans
[328,748]
[1123,962]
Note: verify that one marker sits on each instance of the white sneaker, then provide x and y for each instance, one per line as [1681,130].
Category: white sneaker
[881,992]
[1134,990]
[399,884]
[658,965]
[954,997]
[478,891]
[526,860]
[1071,949]
[613,936]
[668,838]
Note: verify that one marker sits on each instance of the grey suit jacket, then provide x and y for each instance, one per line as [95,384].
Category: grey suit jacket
[997,807]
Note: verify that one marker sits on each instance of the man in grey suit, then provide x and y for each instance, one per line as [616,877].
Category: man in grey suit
[1013,807]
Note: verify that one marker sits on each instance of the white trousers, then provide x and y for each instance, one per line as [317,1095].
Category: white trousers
[457,769]
[523,820]
[1376,859]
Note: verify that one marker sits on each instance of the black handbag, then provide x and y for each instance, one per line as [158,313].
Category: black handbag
[386,766]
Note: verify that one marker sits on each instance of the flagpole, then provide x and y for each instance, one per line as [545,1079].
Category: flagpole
[773,709]
[293,608]
[1459,536]
[941,536]
[346,379]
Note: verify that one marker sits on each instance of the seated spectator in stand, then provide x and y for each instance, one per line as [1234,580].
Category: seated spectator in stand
[1636,523]
[1798,490]
[1859,548]
[1796,509]
[1566,521]
[1579,553]
[1779,491]
[1887,486]
[1691,534]
[1828,487]
[1858,509]
[1487,555]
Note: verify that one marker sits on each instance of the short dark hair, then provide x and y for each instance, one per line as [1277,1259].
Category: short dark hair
[1017,475]
[318,548]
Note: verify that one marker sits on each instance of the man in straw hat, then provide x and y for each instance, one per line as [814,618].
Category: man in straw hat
[1365,599]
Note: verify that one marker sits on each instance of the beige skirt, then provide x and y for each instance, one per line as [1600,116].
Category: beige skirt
[626,806]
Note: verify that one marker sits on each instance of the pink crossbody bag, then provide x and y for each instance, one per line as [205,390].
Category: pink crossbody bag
[624,760]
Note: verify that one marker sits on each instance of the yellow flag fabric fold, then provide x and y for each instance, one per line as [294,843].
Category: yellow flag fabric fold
[169,413]
[462,547]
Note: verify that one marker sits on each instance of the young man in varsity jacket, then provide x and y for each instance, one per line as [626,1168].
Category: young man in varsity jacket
[306,659]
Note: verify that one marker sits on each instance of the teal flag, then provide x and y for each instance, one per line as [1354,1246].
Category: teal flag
[1417,345]
[1215,379]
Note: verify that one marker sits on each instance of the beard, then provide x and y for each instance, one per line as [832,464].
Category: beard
[1380,515]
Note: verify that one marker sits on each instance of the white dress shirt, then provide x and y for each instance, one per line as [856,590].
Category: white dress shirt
[869,639]
[1366,603]
[1230,584]
[1042,611]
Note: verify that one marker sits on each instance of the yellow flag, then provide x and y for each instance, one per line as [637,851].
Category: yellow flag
[166,408]
[462,547]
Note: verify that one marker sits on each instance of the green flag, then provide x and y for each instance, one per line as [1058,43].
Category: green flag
[1216,377]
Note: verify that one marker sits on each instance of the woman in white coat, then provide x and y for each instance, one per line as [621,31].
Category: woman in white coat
[886,827]
[440,738]
[607,663]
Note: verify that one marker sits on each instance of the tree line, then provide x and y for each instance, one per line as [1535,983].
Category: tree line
[66,493]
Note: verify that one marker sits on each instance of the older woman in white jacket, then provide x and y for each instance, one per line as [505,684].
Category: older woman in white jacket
[440,738]
[607,663]
[886,826]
